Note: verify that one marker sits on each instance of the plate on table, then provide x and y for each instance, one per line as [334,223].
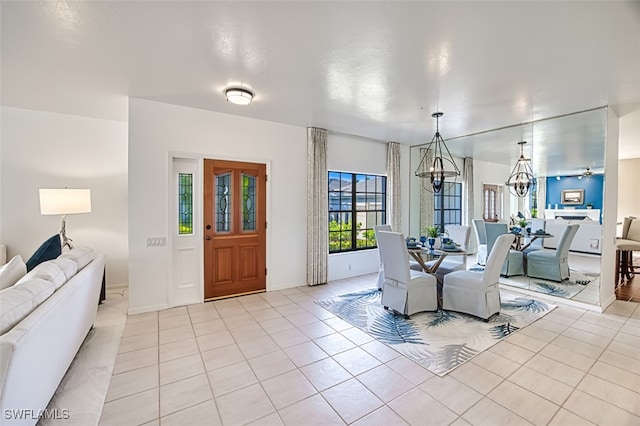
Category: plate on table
[451,249]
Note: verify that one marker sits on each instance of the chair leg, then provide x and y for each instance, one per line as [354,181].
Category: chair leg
[618,267]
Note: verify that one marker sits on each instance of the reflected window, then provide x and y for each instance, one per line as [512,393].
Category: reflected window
[448,206]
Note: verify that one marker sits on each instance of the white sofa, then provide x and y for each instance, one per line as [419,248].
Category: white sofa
[55,305]
[587,240]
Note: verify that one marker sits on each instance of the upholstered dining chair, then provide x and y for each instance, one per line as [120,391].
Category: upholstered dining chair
[553,264]
[513,264]
[481,238]
[454,262]
[477,293]
[625,246]
[412,264]
[405,290]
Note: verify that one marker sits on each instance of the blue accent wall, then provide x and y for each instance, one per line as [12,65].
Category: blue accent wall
[593,191]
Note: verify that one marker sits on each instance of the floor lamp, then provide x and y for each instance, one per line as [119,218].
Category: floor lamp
[63,202]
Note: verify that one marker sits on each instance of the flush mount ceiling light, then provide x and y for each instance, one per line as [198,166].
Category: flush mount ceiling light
[442,167]
[238,95]
[521,179]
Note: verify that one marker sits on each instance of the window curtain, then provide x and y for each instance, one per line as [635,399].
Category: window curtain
[393,186]
[467,211]
[317,207]
[541,183]
[426,196]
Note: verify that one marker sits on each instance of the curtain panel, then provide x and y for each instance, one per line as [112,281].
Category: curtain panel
[468,206]
[317,207]
[394,217]
[541,194]
[426,196]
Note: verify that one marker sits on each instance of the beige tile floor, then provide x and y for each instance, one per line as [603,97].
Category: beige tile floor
[277,358]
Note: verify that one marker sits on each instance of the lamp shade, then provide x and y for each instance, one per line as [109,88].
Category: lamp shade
[65,201]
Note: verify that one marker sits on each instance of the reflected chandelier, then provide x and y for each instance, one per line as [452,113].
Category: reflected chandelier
[442,167]
[521,180]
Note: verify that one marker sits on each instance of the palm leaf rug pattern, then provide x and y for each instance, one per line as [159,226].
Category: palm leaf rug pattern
[439,341]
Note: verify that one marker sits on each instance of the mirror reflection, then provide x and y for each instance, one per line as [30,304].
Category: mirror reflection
[557,222]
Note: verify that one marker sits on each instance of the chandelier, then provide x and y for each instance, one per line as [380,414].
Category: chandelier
[441,167]
[521,179]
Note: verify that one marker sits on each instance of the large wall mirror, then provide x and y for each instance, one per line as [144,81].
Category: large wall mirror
[567,156]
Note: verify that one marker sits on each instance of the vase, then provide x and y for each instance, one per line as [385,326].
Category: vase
[431,241]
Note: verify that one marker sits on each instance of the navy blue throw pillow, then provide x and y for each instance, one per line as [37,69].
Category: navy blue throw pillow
[50,249]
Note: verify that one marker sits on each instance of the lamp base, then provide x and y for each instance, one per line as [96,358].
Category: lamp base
[66,242]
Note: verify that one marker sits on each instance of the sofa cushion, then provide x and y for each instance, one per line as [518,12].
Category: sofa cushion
[50,249]
[634,230]
[47,271]
[12,272]
[82,255]
[18,301]
[3,254]
[67,266]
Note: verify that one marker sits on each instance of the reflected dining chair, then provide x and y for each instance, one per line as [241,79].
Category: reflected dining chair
[513,264]
[454,262]
[412,264]
[481,238]
[552,264]
[405,291]
[477,293]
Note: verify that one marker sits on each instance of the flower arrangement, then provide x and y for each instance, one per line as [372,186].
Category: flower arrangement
[523,223]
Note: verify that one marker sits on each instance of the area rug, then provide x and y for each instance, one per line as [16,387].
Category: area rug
[567,289]
[439,341]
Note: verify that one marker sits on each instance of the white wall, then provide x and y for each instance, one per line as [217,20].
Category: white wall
[628,178]
[49,150]
[361,155]
[609,212]
[155,131]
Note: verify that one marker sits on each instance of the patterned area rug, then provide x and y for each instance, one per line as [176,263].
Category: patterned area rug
[567,289]
[439,341]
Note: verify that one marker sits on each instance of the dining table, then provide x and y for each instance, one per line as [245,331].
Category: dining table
[521,237]
[419,254]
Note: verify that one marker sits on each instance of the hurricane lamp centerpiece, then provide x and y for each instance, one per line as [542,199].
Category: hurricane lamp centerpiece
[437,163]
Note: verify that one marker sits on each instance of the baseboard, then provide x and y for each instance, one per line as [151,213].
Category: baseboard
[145,309]
[607,302]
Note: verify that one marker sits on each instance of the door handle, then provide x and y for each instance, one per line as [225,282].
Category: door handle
[208,237]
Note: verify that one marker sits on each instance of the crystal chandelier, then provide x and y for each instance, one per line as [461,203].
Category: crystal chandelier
[441,167]
[521,180]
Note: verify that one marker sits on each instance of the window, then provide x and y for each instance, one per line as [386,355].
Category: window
[357,202]
[185,203]
[448,206]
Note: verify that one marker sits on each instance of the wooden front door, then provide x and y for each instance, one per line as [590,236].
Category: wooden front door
[234,228]
[490,204]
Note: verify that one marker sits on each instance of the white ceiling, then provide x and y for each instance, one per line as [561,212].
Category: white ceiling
[374,69]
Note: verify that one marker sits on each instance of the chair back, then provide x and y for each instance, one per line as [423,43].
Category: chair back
[633,232]
[376,229]
[395,258]
[494,230]
[496,258]
[562,251]
[459,234]
[478,227]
